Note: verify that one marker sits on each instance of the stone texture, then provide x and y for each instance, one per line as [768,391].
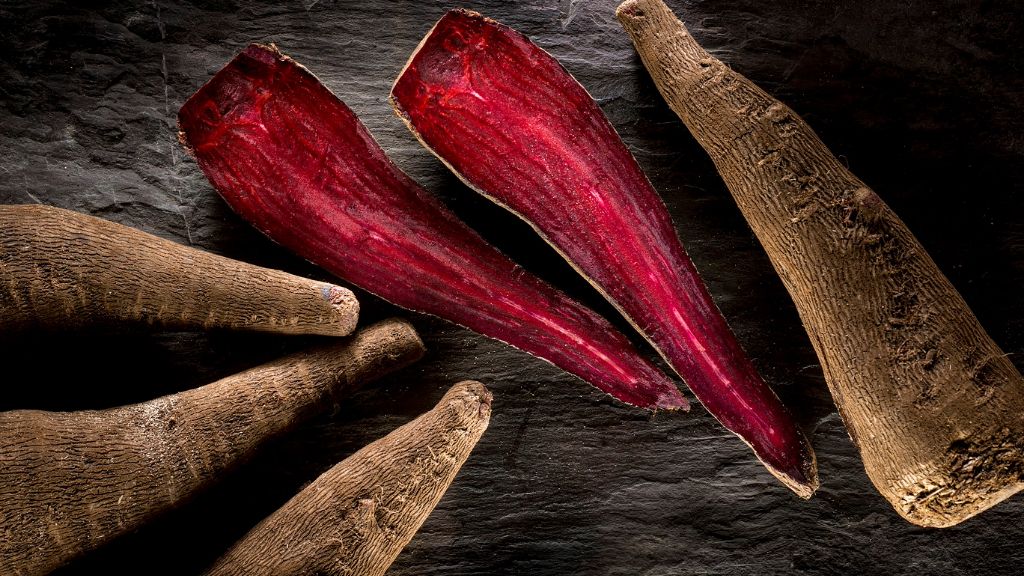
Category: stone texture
[924,100]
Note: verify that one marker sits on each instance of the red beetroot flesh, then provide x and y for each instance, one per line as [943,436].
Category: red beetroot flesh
[505,116]
[294,160]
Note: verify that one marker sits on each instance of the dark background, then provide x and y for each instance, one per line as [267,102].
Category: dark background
[923,100]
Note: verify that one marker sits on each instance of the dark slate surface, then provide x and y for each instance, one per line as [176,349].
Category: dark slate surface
[922,99]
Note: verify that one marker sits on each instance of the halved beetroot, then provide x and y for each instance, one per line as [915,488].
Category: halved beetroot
[514,125]
[294,161]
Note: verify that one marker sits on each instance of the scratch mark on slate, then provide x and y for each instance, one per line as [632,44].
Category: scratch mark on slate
[175,188]
[572,9]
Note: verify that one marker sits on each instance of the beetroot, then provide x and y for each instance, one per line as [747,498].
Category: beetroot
[506,117]
[293,160]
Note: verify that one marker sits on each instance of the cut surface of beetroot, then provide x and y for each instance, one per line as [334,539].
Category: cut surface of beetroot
[295,161]
[518,128]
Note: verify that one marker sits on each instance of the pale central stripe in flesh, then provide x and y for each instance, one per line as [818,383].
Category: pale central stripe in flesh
[613,221]
[546,135]
[571,335]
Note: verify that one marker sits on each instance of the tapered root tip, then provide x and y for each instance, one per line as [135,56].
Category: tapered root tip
[644,15]
[804,486]
[634,10]
[629,9]
[804,480]
[383,348]
[471,400]
[936,499]
[345,307]
[673,400]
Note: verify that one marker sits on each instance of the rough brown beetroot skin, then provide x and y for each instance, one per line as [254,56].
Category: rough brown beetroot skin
[506,117]
[293,160]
